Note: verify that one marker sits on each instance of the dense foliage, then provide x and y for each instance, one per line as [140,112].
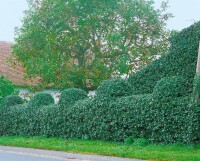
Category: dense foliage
[141,116]
[114,88]
[70,96]
[149,117]
[180,61]
[167,114]
[12,101]
[41,99]
[73,43]
[170,88]
[6,88]
[138,116]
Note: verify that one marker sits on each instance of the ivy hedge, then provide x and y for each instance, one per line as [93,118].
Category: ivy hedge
[41,99]
[12,100]
[169,119]
[70,96]
[114,88]
[169,88]
[138,116]
[161,109]
[180,61]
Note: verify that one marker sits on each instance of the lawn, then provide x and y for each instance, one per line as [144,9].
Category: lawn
[177,152]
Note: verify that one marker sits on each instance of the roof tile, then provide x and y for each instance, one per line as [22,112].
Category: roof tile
[15,74]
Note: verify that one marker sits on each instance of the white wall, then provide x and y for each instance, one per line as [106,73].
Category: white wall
[26,94]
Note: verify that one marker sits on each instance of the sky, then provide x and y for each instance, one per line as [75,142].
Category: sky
[185,12]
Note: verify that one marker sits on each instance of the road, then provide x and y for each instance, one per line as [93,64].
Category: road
[27,154]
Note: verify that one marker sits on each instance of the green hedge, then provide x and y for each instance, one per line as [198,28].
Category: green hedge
[180,61]
[11,120]
[12,101]
[141,116]
[114,88]
[166,115]
[175,121]
[169,88]
[70,96]
[41,99]
[105,119]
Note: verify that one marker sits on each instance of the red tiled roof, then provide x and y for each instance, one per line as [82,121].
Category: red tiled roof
[15,74]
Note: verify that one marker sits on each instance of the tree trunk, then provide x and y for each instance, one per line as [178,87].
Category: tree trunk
[198,74]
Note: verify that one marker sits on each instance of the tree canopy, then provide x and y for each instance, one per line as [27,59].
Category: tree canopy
[73,43]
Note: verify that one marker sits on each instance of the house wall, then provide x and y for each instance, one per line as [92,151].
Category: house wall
[26,94]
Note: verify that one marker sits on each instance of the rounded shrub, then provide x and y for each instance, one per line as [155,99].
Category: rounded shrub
[71,95]
[114,88]
[170,87]
[41,99]
[12,101]
[6,88]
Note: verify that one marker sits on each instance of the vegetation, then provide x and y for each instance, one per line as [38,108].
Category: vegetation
[180,61]
[70,96]
[167,114]
[154,105]
[41,99]
[159,152]
[76,43]
[12,100]
[170,88]
[114,88]
[6,88]
[139,116]
[110,118]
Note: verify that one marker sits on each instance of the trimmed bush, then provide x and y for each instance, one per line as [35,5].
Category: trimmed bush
[170,88]
[114,88]
[6,88]
[11,120]
[41,99]
[45,121]
[12,101]
[70,96]
[108,119]
[140,116]
[52,120]
[180,61]
[175,121]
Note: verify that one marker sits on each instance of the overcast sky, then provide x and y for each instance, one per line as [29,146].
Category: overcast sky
[11,12]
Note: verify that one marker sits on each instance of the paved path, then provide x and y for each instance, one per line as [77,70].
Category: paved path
[27,154]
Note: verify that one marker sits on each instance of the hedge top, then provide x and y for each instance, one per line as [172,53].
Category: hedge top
[180,61]
[41,99]
[114,88]
[71,95]
[169,88]
[12,100]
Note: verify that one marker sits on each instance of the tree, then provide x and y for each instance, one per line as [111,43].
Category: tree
[73,42]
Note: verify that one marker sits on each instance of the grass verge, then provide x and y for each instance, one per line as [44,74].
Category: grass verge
[155,152]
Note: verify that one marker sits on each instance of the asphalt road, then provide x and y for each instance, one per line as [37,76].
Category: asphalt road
[27,154]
